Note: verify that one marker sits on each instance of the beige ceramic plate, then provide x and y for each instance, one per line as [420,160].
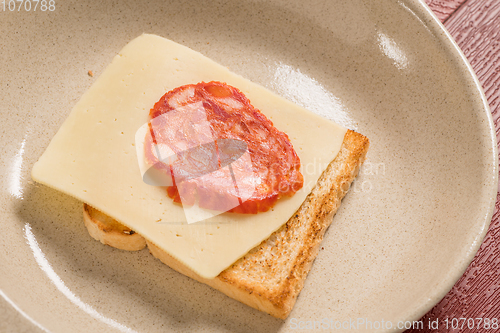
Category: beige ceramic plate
[405,233]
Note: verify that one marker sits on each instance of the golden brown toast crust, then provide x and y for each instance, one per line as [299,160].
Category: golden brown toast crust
[270,277]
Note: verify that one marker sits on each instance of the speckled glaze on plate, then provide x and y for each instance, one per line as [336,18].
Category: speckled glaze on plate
[405,233]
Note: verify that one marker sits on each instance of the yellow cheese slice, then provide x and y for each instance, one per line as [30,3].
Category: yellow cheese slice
[93,155]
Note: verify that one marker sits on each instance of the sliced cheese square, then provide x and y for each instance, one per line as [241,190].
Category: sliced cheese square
[93,155]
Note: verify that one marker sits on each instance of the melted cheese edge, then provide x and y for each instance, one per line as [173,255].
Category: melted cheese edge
[93,155]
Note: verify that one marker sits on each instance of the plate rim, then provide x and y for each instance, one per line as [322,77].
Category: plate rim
[423,11]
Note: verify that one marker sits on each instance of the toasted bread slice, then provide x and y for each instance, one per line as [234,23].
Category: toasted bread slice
[270,276]
[111,232]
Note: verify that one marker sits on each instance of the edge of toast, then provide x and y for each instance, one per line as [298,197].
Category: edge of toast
[111,232]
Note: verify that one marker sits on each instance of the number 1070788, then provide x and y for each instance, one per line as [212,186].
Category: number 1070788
[27,5]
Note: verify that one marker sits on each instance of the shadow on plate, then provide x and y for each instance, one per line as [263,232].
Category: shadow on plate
[129,288]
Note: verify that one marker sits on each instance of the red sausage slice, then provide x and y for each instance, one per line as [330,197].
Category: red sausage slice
[222,152]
